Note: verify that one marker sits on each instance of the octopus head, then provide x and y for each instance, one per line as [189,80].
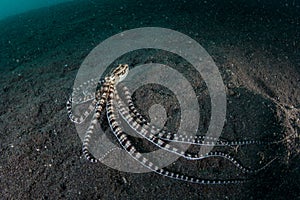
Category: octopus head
[120,72]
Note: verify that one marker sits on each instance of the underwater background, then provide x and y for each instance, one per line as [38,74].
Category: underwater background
[9,8]
[254,43]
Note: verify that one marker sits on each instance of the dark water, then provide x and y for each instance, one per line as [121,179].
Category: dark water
[290,7]
[9,8]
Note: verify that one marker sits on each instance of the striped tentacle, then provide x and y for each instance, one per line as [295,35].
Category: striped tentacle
[99,107]
[82,95]
[81,118]
[130,148]
[146,133]
[174,137]
[137,117]
[88,97]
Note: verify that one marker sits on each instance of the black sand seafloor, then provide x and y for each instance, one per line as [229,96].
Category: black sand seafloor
[255,44]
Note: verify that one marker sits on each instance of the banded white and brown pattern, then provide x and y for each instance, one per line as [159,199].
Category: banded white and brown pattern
[84,96]
[106,100]
[152,134]
[130,148]
[173,137]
